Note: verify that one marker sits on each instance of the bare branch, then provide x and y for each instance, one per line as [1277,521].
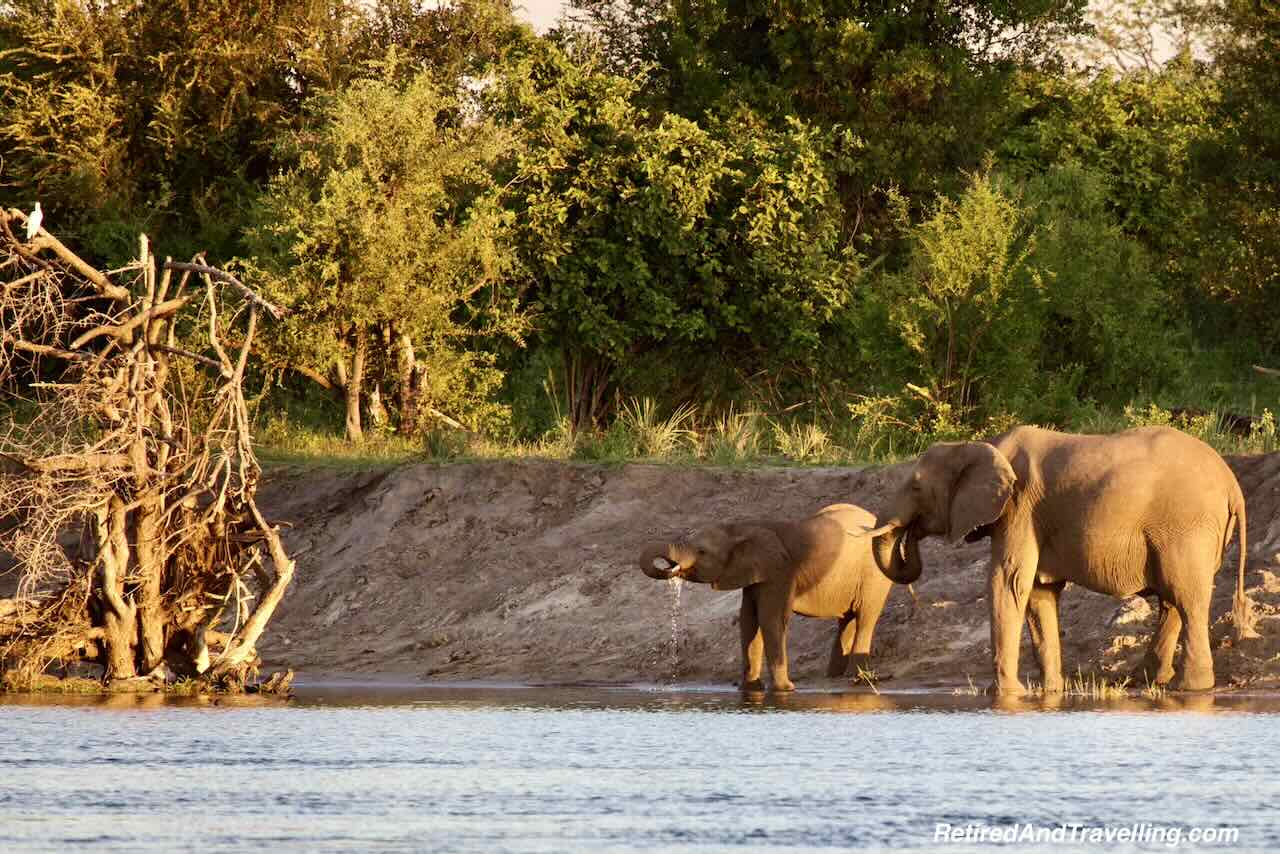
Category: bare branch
[124,330]
[313,375]
[221,276]
[187,354]
[79,463]
[243,642]
[103,285]
[128,499]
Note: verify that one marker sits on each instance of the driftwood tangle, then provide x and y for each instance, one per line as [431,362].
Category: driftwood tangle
[129,535]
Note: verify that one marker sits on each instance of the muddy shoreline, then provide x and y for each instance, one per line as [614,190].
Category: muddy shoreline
[522,572]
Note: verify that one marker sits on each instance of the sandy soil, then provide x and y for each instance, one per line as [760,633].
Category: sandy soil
[524,571]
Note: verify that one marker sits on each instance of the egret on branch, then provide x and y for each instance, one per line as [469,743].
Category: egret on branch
[33,222]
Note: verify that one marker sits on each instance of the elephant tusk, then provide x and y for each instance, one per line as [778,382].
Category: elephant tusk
[871,532]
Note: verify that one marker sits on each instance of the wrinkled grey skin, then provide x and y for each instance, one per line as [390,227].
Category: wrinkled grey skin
[819,567]
[1142,512]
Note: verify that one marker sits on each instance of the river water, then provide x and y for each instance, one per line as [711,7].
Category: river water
[493,769]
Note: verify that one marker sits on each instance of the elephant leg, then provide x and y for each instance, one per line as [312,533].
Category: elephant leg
[752,644]
[1188,567]
[868,616]
[1042,607]
[1013,567]
[874,596]
[1197,661]
[775,618]
[1157,664]
[839,663]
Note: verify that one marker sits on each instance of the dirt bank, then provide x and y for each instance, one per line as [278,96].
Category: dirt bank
[525,571]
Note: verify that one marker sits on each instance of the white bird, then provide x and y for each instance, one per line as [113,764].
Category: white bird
[33,222]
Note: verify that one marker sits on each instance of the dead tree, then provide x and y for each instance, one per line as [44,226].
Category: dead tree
[127,473]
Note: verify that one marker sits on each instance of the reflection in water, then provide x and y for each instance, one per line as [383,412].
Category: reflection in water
[591,767]
[132,701]
[659,698]
[666,698]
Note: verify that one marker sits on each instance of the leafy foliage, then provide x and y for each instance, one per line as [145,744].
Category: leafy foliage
[918,215]
[162,116]
[919,87]
[1240,162]
[639,232]
[156,116]
[1110,330]
[968,302]
[385,227]
[1138,131]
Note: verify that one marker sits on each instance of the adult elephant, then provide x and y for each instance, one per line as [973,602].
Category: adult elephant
[819,567]
[1146,511]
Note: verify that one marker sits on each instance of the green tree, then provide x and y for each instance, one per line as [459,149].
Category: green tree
[641,232]
[1144,35]
[1110,329]
[1027,298]
[1137,130]
[161,115]
[154,116]
[967,307]
[921,86]
[1239,163]
[384,240]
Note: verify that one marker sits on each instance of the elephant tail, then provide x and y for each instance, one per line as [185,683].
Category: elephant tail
[1242,609]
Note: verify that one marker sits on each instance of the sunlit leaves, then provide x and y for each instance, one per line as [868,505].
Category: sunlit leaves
[641,230]
[388,221]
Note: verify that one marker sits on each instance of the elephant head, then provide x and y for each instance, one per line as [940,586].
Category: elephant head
[728,557]
[955,489]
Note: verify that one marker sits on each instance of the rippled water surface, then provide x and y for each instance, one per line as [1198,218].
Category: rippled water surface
[597,769]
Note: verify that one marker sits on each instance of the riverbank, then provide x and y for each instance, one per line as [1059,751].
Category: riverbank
[523,571]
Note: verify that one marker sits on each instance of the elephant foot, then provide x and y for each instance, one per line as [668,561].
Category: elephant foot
[859,662]
[785,686]
[1003,688]
[1053,686]
[752,686]
[1193,681]
[1150,672]
[871,677]
[862,671]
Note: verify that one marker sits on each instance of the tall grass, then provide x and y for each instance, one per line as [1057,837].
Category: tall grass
[643,431]
[804,443]
[733,437]
[653,435]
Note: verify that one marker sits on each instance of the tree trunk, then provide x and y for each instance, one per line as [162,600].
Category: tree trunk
[587,381]
[410,380]
[353,383]
[148,552]
[118,624]
[118,633]
[162,505]
[151,616]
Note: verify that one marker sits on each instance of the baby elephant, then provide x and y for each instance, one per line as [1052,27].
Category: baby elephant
[821,566]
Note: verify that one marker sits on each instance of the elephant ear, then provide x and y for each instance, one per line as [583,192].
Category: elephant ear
[757,555]
[983,487]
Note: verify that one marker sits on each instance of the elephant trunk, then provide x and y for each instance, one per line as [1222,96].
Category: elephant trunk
[656,562]
[897,553]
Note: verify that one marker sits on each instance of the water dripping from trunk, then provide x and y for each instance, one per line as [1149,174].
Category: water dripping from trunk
[676,583]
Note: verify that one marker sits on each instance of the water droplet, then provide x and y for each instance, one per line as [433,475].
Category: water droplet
[676,583]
